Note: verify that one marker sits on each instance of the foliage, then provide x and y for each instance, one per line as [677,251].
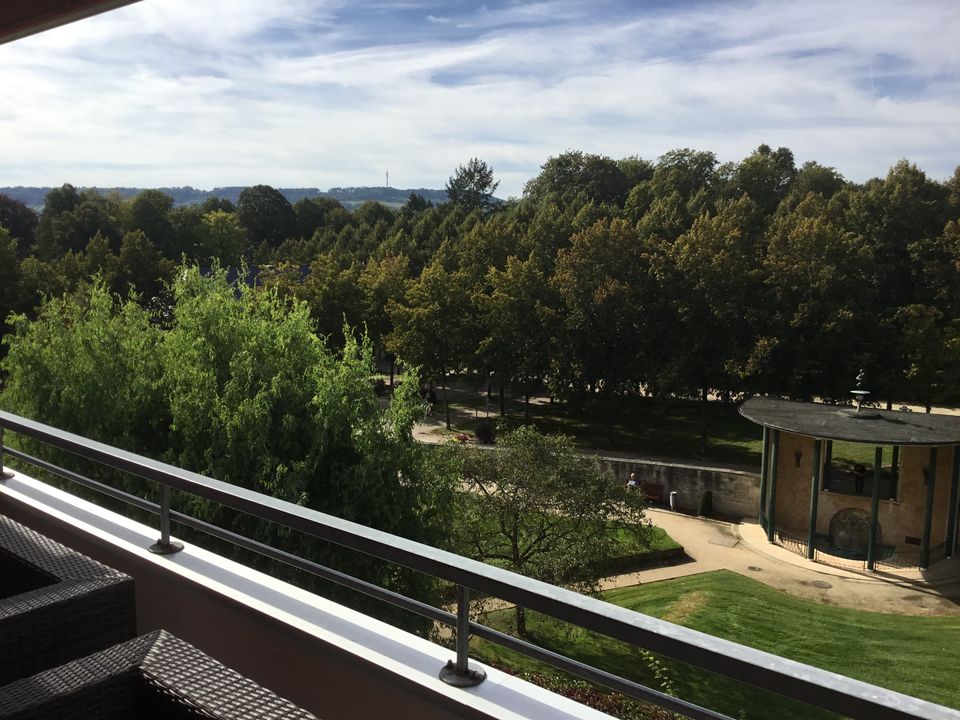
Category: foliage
[551,508]
[20,221]
[472,186]
[266,214]
[485,432]
[608,280]
[240,388]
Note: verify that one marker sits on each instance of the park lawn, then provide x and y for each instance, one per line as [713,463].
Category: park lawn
[664,428]
[658,540]
[913,655]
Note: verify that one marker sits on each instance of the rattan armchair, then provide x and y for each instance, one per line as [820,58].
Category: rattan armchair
[56,605]
[151,677]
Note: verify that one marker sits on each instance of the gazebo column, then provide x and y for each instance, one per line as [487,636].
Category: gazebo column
[952,509]
[874,508]
[827,465]
[928,511]
[814,496]
[772,513]
[764,459]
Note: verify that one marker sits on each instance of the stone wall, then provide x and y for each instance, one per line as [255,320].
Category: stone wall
[735,493]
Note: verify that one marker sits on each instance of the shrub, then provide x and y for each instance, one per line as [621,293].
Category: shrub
[485,432]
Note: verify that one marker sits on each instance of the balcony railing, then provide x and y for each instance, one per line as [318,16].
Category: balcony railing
[819,688]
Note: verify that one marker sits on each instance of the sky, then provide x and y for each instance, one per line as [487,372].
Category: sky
[316,93]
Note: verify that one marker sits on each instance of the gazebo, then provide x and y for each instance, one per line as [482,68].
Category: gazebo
[910,502]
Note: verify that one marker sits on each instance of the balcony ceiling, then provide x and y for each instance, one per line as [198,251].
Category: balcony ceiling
[19,18]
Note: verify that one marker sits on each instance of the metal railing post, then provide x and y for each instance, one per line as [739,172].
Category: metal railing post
[4,473]
[164,546]
[458,673]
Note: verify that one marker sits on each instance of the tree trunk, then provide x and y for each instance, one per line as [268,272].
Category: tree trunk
[503,403]
[703,422]
[526,408]
[393,362]
[446,403]
[609,420]
[521,619]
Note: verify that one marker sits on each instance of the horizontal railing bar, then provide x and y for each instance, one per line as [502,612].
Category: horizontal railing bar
[561,662]
[96,485]
[754,667]
[327,573]
[596,675]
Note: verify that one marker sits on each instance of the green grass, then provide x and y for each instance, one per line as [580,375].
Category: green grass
[913,655]
[666,428]
[658,540]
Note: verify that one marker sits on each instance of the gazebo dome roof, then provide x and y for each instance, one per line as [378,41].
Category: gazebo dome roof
[838,422]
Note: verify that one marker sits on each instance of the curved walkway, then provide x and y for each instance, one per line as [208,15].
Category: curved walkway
[743,548]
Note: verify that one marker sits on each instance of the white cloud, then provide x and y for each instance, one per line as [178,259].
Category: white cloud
[289,93]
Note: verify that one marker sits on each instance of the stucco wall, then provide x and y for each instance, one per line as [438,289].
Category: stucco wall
[898,518]
[735,493]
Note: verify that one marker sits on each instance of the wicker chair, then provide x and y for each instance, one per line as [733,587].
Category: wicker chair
[56,604]
[154,676]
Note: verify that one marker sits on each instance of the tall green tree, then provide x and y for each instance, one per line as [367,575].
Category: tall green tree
[20,221]
[240,388]
[538,507]
[472,186]
[266,214]
[149,212]
[221,237]
[433,324]
[518,314]
[602,279]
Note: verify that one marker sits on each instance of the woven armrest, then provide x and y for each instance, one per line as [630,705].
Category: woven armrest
[57,604]
[153,676]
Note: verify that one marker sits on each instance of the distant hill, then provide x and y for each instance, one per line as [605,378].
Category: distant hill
[350,197]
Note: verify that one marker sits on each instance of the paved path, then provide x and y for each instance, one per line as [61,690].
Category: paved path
[743,548]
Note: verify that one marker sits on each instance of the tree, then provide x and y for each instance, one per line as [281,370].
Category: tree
[539,508]
[318,213]
[579,178]
[433,323]
[239,388]
[518,314]
[266,214]
[9,277]
[764,176]
[710,276]
[818,302]
[380,282]
[71,219]
[604,282]
[20,221]
[140,266]
[149,212]
[472,186]
[222,237]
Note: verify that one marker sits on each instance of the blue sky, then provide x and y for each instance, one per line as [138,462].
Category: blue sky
[320,94]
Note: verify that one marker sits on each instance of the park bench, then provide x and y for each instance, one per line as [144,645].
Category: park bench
[653,493]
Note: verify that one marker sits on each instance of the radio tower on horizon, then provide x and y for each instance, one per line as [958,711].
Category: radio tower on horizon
[388,177]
